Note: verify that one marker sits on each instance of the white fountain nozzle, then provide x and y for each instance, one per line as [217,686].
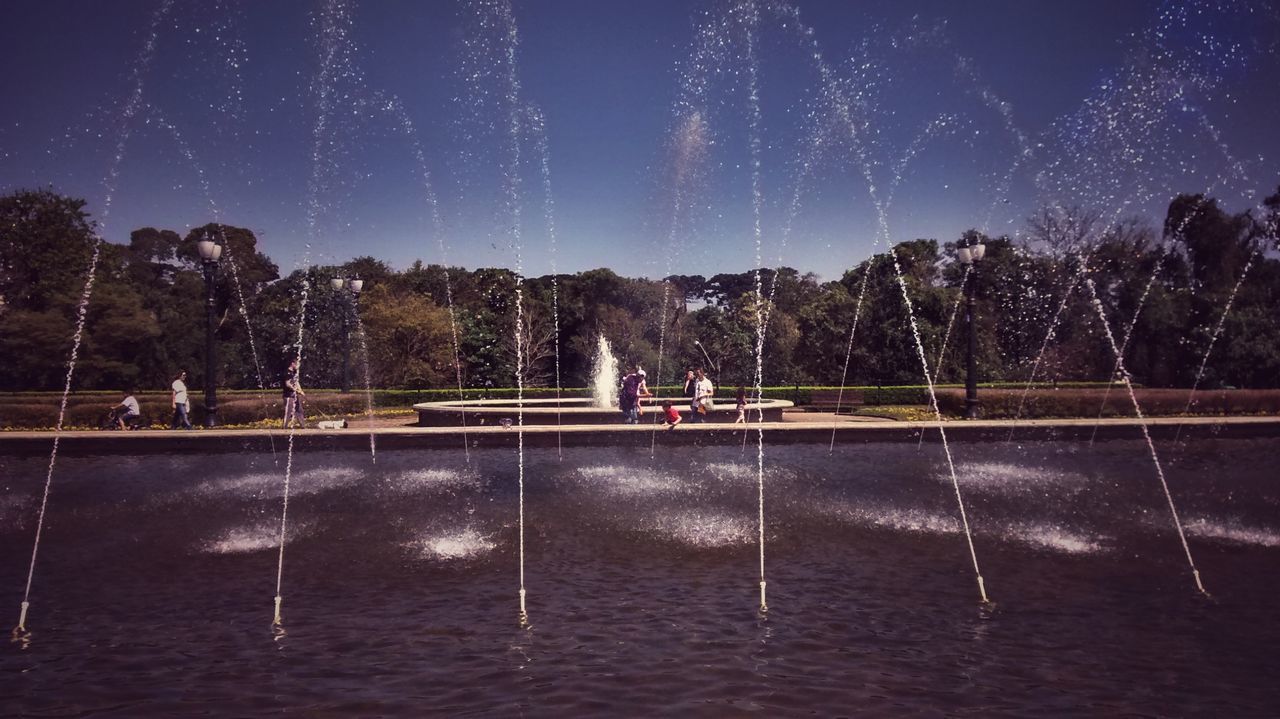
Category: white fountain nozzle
[22,616]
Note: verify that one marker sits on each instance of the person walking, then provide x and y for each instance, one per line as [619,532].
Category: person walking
[178,400]
[742,405]
[291,390]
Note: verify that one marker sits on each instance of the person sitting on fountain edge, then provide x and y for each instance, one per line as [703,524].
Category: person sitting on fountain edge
[671,414]
[629,396]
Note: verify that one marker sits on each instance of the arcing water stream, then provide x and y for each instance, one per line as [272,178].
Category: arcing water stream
[737,37]
[241,306]
[133,104]
[538,129]
[1146,434]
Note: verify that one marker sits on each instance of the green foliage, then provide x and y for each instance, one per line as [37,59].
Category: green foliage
[147,317]
[46,242]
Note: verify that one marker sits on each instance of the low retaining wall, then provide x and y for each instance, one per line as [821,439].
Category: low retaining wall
[542,412]
[20,444]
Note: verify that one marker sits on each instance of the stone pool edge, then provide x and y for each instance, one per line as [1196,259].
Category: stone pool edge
[20,443]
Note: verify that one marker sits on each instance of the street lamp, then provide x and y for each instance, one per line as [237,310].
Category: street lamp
[355,285]
[971,257]
[210,253]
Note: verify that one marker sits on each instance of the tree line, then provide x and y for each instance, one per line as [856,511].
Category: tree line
[146,317]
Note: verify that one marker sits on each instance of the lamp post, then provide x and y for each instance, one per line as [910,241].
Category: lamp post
[210,253]
[355,285]
[971,257]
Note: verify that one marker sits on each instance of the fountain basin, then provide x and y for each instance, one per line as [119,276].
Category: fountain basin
[486,412]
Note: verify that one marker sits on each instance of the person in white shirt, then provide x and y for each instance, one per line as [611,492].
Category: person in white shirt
[702,392]
[181,405]
[128,409]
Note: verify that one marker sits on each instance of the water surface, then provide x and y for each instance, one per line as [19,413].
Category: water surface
[153,595]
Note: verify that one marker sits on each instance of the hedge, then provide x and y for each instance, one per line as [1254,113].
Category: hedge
[39,410]
[1003,403]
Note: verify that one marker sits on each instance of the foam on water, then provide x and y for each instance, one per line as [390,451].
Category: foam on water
[1232,531]
[735,472]
[1010,478]
[1048,536]
[903,520]
[251,538]
[707,530]
[629,481]
[260,485]
[13,510]
[454,545]
[731,470]
[419,479]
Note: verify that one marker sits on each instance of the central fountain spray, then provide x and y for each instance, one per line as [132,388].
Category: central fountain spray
[604,375]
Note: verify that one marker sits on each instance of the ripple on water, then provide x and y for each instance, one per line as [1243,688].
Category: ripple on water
[1232,531]
[452,546]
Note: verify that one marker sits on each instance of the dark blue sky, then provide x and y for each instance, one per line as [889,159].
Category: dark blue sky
[235,80]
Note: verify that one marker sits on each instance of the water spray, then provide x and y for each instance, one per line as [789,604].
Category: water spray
[844,376]
[1146,434]
[131,107]
[757,206]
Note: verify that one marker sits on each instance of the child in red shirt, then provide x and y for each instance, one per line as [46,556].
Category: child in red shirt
[672,414]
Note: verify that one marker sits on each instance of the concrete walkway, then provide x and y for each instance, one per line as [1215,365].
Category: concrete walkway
[241,440]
